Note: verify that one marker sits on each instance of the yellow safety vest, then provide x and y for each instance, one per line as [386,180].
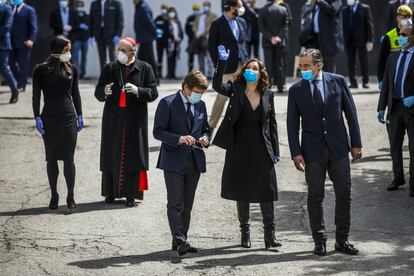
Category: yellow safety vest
[393,36]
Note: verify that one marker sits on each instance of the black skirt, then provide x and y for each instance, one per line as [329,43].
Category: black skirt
[60,147]
[249,174]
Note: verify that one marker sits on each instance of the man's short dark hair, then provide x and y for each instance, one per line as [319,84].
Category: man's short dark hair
[195,79]
[230,3]
[314,53]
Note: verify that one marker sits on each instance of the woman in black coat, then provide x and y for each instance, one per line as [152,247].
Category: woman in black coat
[249,135]
[61,117]
[126,86]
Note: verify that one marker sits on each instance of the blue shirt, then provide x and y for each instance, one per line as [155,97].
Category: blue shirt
[319,83]
[234,27]
[407,63]
[64,14]
[316,19]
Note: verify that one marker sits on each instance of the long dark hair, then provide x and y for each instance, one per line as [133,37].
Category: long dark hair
[55,66]
[263,82]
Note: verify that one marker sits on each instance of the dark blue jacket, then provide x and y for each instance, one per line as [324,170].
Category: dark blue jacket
[170,123]
[24,26]
[326,128]
[6,21]
[144,26]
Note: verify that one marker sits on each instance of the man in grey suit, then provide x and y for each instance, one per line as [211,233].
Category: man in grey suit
[273,24]
[317,103]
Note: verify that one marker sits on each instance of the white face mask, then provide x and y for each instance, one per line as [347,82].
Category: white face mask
[65,57]
[171,15]
[241,11]
[351,2]
[122,57]
[164,11]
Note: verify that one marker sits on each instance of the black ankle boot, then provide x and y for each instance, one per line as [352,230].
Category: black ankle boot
[245,236]
[70,203]
[54,202]
[270,238]
[243,212]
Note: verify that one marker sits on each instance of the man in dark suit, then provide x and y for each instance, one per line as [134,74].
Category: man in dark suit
[145,33]
[181,125]
[327,31]
[106,26]
[6,22]
[228,30]
[23,35]
[391,12]
[163,31]
[398,95]
[273,24]
[317,103]
[358,36]
[60,19]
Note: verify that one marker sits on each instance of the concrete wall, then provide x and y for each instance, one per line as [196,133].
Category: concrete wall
[184,7]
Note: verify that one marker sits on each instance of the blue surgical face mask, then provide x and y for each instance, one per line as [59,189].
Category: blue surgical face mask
[63,4]
[194,97]
[206,8]
[81,9]
[403,41]
[307,75]
[250,76]
[17,2]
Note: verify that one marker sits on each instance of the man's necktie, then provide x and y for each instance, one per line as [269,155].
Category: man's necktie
[317,98]
[190,115]
[398,93]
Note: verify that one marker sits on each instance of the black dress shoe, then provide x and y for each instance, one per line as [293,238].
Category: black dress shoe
[353,86]
[14,98]
[191,249]
[346,247]
[320,248]
[182,249]
[411,191]
[394,185]
[71,204]
[54,202]
[109,199]
[365,85]
[130,202]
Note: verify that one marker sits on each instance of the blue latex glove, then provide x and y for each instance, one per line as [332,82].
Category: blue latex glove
[39,125]
[83,26]
[160,33]
[81,124]
[223,54]
[90,41]
[276,159]
[380,85]
[408,102]
[381,116]
[116,40]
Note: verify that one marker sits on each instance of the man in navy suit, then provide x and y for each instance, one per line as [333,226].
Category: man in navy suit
[23,35]
[6,21]
[318,102]
[181,125]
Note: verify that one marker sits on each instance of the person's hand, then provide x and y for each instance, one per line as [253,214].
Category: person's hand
[370,46]
[81,123]
[275,40]
[39,125]
[187,140]
[130,88]
[223,54]
[28,43]
[116,40]
[408,102]
[380,85]
[90,41]
[83,26]
[203,141]
[67,28]
[276,159]
[356,154]
[299,163]
[381,116]
[108,89]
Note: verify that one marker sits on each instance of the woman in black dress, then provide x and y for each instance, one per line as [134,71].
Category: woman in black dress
[249,135]
[61,117]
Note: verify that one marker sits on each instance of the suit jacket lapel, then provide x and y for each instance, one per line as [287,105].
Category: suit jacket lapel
[181,108]
[393,63]
[265,106]
[196,114]
[327,87]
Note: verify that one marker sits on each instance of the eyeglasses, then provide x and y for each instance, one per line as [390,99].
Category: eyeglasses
[403,34]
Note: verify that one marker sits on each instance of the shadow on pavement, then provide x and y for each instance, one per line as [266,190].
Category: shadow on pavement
[81,208]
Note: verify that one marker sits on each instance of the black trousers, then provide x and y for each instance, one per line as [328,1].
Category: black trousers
[340,173]
[329,63]
[401,120]
[362,52]
[161,48]
[104,46]
[172,64]
[268,215]
[146,53]
[181,188]
[253,45]
[274,61]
